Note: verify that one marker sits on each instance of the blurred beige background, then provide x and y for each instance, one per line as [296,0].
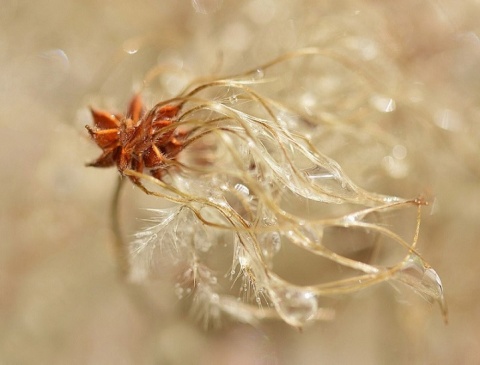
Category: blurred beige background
[60,299]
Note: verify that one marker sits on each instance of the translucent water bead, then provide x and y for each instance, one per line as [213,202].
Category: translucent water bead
[296,305]
[271,243]
[423,279]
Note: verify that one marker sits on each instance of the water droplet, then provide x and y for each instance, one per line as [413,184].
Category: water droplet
[175,83]
[214,299]
[58,57]
[240,255]
[383,103]
[51,67]
[270,243]
[220,201]
[179,291]
[306,235]
[367,48]
[318,173]
[423,279]
[396,168]
[206,6]
[244,261]
[399,152]
[448,120]
[203,243]
[131,46]
[349,219]
[308,101]
[259,74]
[297,306]
[242,189]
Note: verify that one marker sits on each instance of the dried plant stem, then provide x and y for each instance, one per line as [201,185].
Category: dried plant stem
[119,245]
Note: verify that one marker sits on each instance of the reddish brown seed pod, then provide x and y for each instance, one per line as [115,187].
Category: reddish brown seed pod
[138,140]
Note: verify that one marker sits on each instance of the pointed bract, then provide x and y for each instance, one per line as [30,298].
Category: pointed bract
[103,119]
[137,140]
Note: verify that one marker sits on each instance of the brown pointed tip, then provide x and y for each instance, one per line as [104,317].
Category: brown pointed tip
[135,109]
[167,112]
[90,131]
[103,119]
[105,160]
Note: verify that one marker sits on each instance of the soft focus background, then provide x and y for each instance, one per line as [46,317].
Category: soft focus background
[61,301]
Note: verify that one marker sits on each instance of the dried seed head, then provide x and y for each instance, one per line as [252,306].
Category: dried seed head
[245,169]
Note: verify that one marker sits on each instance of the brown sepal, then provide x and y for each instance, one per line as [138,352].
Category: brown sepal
[103,119]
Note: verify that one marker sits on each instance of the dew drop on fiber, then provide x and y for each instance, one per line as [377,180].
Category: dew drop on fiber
[297,306]
[423,279]
[259,74]
[270,243]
